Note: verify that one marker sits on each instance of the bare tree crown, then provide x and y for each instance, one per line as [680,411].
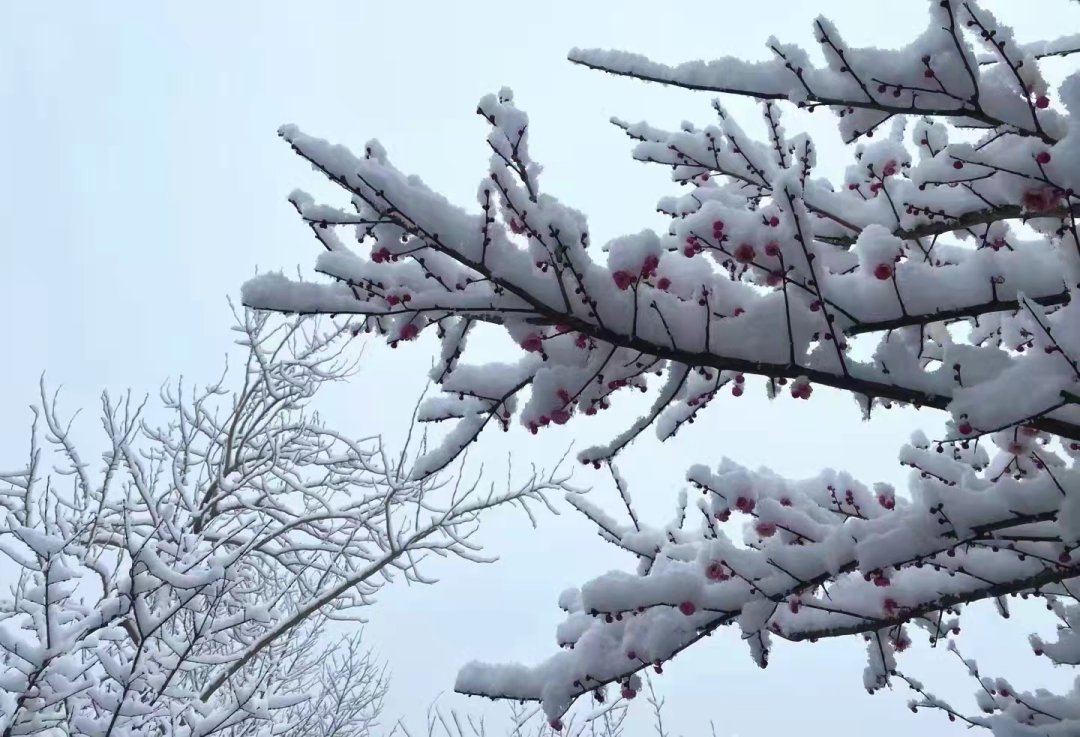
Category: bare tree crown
[186,586]
[940,273]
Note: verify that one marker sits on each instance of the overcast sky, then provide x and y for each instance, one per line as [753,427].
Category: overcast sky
[143,182]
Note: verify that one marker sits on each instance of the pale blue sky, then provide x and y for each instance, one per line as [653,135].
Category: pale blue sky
[143,182]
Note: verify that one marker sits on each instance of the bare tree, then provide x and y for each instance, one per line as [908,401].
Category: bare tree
[185,587]
[606,718]
[938,271]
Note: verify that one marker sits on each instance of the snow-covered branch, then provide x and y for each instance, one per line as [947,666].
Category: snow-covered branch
[938,271]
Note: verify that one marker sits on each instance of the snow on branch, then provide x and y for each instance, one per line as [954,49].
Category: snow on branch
[938,271]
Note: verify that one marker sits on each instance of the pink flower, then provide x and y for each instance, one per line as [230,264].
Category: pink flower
[623,279]
[533,344]
[1042,199]
[409,331]
[765,529]
[715,571]
[744,254]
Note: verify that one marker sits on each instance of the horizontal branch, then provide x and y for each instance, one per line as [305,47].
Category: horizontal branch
[978,533]
[846,382]
[960,313]
[968,220]
[648,71]
[1046,576]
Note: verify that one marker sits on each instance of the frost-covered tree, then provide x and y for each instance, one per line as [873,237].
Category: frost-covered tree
[605,718]
[938,273]
[186,584]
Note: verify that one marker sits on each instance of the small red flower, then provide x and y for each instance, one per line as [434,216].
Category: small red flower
[533,344]
[1042,199]
[715,571]
[623,279]
[883,271]
[560,416]
[765,529]
[687,608]
[744,254]
[745,504]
